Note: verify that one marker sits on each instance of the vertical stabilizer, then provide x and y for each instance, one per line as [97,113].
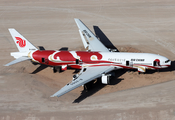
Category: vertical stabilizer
[22,43]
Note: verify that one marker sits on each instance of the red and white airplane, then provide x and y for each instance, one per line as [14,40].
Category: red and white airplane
[96,62]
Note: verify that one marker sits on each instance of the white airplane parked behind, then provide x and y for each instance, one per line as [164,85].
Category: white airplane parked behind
[96,62]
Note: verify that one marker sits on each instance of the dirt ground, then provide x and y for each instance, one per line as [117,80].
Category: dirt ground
[131,25]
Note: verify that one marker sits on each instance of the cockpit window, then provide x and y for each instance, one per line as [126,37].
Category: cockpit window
[167,61]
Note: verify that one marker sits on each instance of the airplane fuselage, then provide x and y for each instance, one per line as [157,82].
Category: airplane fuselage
[79,59]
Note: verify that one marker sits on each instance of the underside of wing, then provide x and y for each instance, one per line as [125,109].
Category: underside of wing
[86,75]
[89,40]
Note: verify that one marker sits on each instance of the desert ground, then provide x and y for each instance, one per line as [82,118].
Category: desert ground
[131,25]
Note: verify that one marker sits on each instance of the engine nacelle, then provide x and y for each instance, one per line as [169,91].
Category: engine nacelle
[105,78]
[75,76]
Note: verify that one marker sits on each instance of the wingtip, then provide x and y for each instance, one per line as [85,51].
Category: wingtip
[76,19]
[52,96]
[11,29]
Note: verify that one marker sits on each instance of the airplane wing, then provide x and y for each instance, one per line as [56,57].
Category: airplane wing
[86,75]
[90,41]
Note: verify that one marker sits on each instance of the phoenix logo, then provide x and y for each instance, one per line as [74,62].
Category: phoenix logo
[21,42]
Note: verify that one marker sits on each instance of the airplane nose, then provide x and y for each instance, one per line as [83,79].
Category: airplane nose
[168,63]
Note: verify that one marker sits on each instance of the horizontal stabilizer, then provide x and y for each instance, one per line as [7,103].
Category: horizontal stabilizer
[18,60]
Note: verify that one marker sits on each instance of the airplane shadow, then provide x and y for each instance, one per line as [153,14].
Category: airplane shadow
[41,48]
[64,49]
[172,67]
[40,68]
[103,38]
[97,85]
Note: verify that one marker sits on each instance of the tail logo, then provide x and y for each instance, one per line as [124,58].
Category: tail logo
[21,42]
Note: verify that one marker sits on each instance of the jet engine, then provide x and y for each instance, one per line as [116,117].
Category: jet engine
[105,79]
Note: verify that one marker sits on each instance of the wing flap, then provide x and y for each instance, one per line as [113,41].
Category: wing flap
[84,77]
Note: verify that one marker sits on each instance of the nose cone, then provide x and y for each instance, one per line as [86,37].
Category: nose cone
[167,63]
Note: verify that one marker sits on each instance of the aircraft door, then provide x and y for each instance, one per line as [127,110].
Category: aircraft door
[129,63]
[45,60]
[77,61]
[156,62]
